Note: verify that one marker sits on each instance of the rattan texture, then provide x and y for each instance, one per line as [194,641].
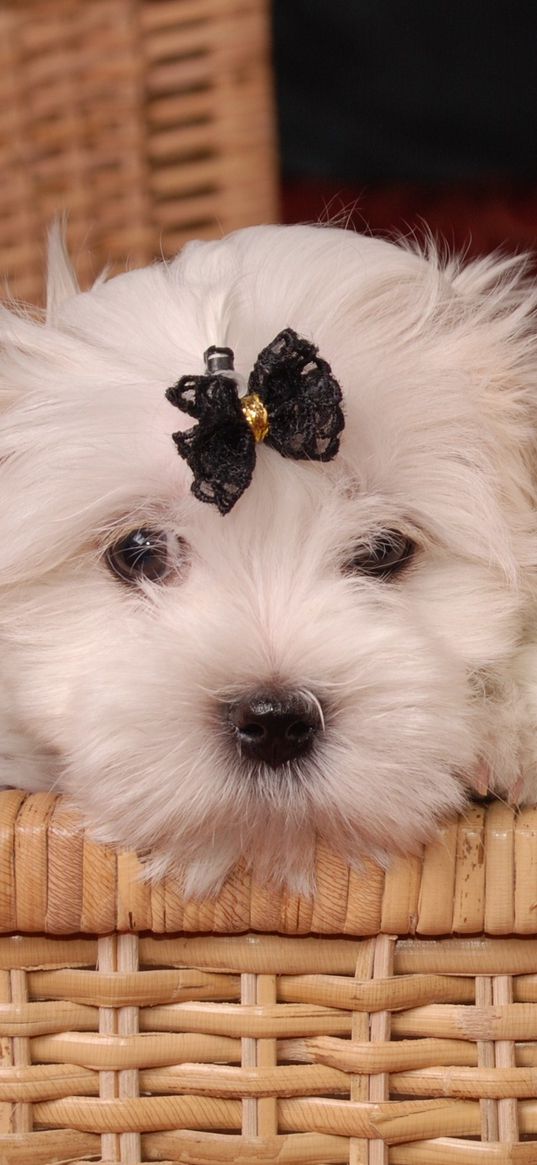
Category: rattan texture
[149,121]
[389,1020]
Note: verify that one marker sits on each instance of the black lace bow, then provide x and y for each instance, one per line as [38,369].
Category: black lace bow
[293,404]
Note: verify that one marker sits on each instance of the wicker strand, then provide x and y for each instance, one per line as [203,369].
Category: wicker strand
[380,1027]
[248,1058]
[129,1084]
[22,1116]
[6,1058]
[486,1060]
[107,947]
[267,1059]
[359,1083]
[502,993]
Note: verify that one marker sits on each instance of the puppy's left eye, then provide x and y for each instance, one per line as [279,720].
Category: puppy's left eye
[384,557]
[145,555]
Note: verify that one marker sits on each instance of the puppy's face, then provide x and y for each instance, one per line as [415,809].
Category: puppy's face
[334,657]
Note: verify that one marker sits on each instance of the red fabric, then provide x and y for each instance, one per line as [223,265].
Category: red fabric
[477,219]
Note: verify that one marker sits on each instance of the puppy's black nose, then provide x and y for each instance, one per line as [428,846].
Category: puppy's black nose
[274,730]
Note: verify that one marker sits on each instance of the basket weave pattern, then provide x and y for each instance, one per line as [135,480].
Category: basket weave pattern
[148,121]
[392,1021]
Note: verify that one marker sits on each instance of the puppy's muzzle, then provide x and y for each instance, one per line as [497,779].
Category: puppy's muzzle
[274,730]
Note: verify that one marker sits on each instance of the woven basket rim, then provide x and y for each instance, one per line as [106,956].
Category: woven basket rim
[476,877]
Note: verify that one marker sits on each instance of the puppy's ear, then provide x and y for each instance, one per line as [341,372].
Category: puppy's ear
[500,296]
[61,279]
[497,296]
[498,333]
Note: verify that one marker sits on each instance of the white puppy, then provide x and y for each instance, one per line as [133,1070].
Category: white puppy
[348,651]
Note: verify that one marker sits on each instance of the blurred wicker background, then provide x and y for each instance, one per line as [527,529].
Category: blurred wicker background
[148,121]
[389,1020]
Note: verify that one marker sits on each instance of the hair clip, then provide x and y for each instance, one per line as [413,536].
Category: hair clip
[293,404]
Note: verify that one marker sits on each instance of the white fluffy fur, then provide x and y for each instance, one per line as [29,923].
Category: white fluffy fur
[116,695]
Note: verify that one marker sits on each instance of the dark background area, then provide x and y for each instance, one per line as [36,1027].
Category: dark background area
[391,114]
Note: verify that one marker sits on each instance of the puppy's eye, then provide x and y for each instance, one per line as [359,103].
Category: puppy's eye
[145,555]
[384,557]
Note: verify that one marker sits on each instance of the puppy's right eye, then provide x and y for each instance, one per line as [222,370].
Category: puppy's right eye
[145,555]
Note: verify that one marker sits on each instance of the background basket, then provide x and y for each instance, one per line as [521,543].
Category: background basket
[149,121]
[390,1020]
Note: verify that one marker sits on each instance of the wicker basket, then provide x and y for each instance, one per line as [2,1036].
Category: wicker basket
[392,1020]
[149,121]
